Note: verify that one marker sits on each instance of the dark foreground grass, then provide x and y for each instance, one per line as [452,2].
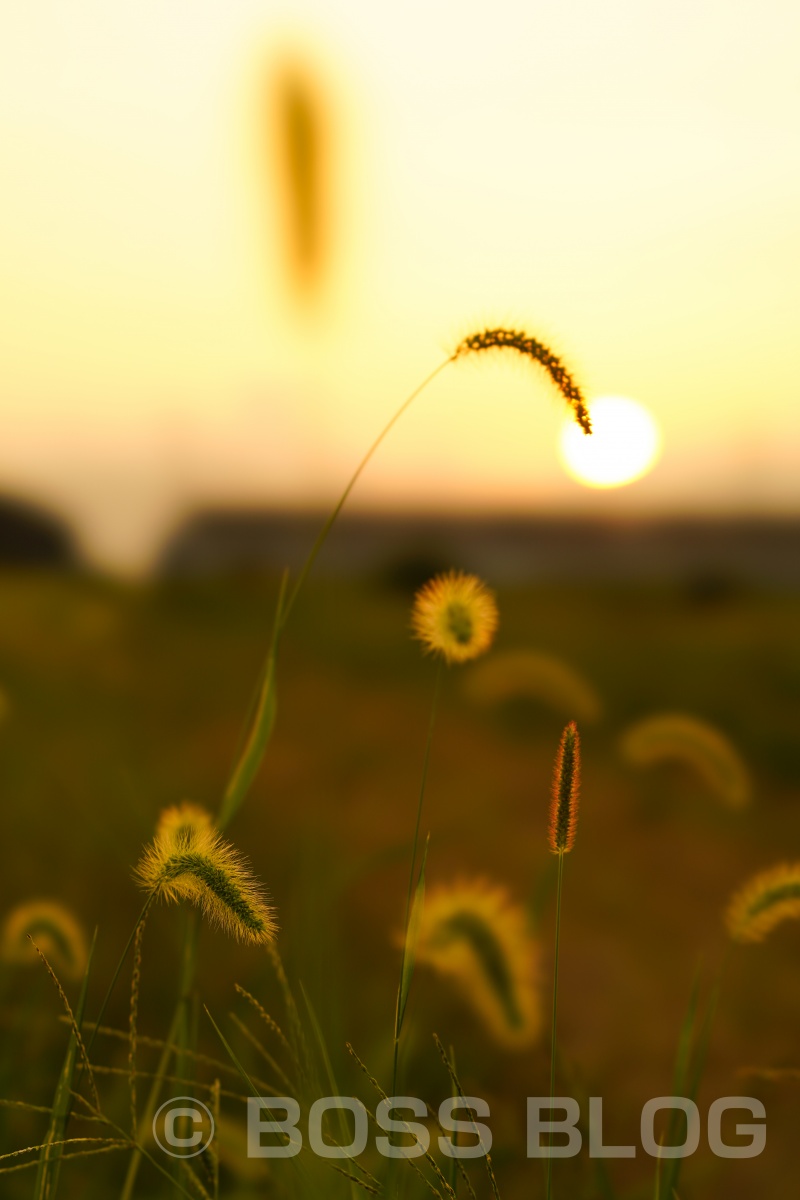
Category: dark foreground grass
[124,700]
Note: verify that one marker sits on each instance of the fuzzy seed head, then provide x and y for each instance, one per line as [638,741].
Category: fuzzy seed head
[472,932]
[530,347]
[54,929]
[455,615]
[189,860]
[181,824]
[566,786]
[765,900]
[694,742]
[515,675]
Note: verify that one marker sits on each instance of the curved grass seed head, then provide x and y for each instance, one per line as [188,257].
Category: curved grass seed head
[514,675]
[530,347]
[189,860]
[472,932]
[566,786]
[765,900]
[54,929]
[455,615]
[694,742]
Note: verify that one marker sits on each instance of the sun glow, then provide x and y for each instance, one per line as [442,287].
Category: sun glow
[624,445]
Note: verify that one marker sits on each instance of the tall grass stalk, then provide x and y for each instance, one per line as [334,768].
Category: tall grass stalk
[459,1091]
[110,991]
[553,1037]
[693,1045]
[145,1121]
[406,961]
[47,1171]
[186,1033]
[340,503]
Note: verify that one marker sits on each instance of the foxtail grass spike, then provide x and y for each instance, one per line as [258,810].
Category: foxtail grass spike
[455,616]
[532,675]
[531,347]
[679,737]
[563,822]
[182,823]
[765,900]
[473,933]
[566,786]
[189,860]
[53,928]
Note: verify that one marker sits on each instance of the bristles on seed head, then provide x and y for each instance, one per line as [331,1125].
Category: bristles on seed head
[524,674]
[455,615]
[475,934]
[181,824]
[566,786]
[54,929]
[682,738]
[189,860]
[530,347]
[765,900]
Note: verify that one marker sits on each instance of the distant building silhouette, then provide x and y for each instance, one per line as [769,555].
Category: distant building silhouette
[709,556]
[32,537]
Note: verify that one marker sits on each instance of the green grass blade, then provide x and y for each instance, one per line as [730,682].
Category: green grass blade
[322,1048]
[703,1041]
[453,1162]
[145,1122]
[680,1085]
[657,1192]
[132,937]
[47,1171]
[260,726]
[252,1089]
[410,943]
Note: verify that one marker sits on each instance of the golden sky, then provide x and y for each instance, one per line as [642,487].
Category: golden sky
[620,179]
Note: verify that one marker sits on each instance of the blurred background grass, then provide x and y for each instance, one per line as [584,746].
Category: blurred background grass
[122,699]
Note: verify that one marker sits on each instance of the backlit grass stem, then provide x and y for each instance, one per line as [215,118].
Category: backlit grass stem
[553,1042]
[561,836]
[487,339]
[260,729]
[99,1018]
[404,980]
[340,503]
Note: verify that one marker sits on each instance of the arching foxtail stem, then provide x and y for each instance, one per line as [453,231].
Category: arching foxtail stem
[489,339]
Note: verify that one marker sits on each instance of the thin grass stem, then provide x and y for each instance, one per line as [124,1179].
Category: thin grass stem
[326,528]
[553,1044]
[149,1109]
[99,1018]
[399,1010]
[437,687]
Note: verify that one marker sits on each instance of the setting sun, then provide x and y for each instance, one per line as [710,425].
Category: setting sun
[624,445]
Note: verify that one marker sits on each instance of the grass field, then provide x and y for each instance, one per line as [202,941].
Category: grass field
[123,700]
